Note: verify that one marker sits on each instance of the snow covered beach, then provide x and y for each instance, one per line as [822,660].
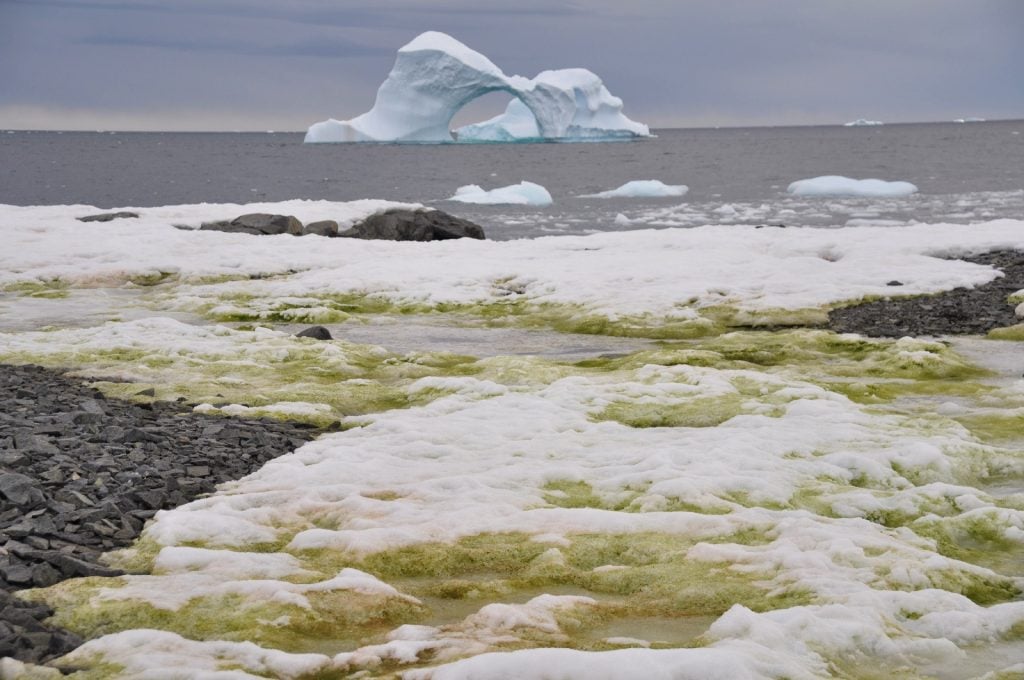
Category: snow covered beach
[716,499]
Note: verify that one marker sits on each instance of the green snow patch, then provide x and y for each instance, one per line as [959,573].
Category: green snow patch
[1008,333]
[245,372]
[629,574]
[51,288]
[88,607]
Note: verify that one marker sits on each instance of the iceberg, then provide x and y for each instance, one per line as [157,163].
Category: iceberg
[834,185]
[863,122]
[435,75]
[642,188]
[524,193]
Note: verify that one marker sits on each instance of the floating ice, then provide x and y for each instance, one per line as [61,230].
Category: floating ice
[643,188]
[969,120]
[835,185]
[524,193]
[435,75]
[863,122]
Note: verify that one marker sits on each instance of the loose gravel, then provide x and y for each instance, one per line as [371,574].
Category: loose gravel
[961,311]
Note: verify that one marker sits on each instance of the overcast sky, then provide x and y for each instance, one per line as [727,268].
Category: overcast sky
[283,64]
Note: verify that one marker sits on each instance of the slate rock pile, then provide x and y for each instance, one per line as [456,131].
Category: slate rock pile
[961,311]
[80,475]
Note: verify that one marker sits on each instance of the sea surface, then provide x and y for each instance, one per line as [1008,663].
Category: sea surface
[965,172]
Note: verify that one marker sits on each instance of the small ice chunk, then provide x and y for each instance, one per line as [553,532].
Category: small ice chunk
[863,122]
[642,188]
[524,193]
[836,185]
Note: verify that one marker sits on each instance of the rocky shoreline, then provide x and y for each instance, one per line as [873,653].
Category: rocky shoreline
[961,311]
[80,474]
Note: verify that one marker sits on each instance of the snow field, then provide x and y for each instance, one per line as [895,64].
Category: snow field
[784,519]
[819,500]
[660,282]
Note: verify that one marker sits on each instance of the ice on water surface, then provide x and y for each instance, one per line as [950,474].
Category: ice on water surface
[643,188]
[524,193]
[794,499]
[835,185]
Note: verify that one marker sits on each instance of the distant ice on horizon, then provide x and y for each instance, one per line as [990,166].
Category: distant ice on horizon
[863,122]
[435,75]
[835,185]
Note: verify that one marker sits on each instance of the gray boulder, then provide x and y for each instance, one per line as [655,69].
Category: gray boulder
[107,217]
[323,228]
[315,332]
[258,224]
[414,225]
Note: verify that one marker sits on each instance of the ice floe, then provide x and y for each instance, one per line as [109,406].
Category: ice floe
[835,185]
[643,188]
[524,193]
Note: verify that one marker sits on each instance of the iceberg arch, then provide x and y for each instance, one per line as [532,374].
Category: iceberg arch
[435,75]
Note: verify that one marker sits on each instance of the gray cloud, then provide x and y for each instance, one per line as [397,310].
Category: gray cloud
[258,64]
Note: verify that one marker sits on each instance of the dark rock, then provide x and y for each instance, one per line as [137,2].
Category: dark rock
[148,392]
[895,283]
[259,224]
[322,228]
[315,332]
[414,225]
[107,217]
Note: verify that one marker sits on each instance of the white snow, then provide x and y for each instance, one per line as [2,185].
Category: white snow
[642,188]
[435,75]
[797,490]
[667,273]
[863,122]
[524,193]
[835,185]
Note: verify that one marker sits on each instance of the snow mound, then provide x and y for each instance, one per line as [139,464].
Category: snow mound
[524,193]
[835,185]
[435,75]
[642,188]
[863,122]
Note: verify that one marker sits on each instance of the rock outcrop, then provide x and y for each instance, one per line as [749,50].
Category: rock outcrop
[414,225]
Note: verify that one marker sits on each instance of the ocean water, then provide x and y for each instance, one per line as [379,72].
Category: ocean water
[965,173]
